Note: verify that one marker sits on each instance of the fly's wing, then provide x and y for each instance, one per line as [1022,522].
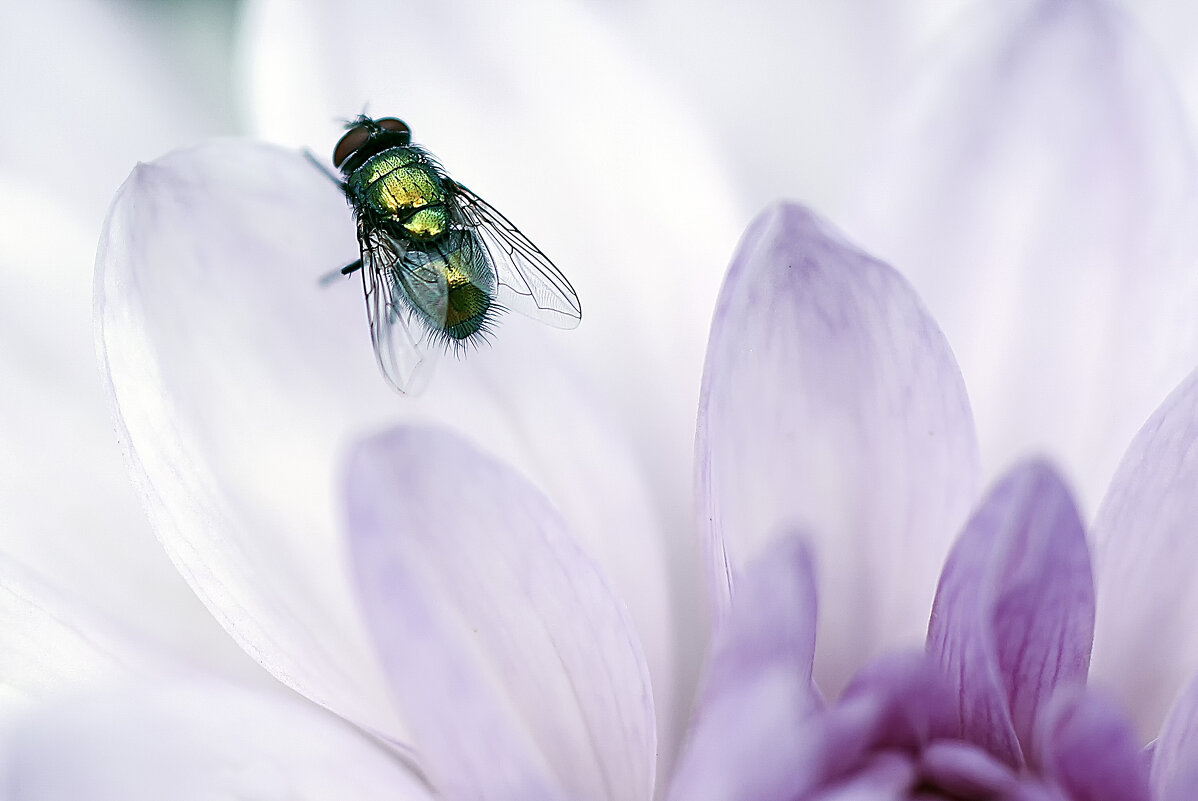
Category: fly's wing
[400,347]
[528,282]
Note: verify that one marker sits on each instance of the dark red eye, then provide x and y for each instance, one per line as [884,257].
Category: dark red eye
[398,126]
[354,138]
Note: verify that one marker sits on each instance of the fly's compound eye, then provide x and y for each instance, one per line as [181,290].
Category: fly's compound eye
[396,126]
[354,138]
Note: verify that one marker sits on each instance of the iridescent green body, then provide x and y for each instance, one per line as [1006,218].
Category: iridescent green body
[401,187]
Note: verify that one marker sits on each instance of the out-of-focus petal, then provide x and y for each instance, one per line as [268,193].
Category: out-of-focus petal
[832,403]
[1014,614]
[51,643]
[194,740]
[240,381]
[748,727]
[506,649]
[1088,748]
[1175,757]
[1146,555]
[68,510]
[1040,191]
[547,115]
[1173,29]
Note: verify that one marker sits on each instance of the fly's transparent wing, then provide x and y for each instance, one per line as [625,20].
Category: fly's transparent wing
[528,282]
[399,337]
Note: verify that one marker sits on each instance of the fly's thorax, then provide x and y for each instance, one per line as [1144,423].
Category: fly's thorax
[451,284]
[402,187]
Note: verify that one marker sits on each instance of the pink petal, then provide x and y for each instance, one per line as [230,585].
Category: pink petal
[831,401]
[193,739]
[1014,614]
[1146,646]
[749,721]
[1039,189]
[505,648]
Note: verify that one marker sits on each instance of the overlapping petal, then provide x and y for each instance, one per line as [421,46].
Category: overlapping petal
[1039,190]
[506,649]
[1146,554]
[1013,619]
[193,739]
[240,380]
[748,734]
[832,402]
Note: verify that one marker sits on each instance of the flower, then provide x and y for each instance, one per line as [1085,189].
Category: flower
[232,512]
[519,672]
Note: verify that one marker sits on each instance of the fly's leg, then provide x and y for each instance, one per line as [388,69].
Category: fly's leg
[316,163]
[348,269]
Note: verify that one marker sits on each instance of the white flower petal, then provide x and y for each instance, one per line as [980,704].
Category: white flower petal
[832,404]
[1146,557]
[193,740]
[240,380]
[507,651]
[1040,192]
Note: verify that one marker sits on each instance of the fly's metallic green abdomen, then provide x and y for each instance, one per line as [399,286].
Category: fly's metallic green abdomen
[399,186]
[450,284]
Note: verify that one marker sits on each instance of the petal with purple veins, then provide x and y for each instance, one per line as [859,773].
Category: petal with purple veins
[1013,619]
[831,403]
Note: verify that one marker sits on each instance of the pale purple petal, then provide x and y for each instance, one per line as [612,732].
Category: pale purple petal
[1039,189]
[508,653]
[1146,555]
[1014,613]
[1175,757]
[748,727]
[1088,748]
[195,740]
[887,775]
[832,403]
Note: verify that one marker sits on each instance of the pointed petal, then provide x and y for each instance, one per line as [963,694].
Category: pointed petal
[831,401]
[1014,613]
[191,740]
[506,649]
[749,717]
[1145,646]
[1175,758]
[1088,748]
[1040,192]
